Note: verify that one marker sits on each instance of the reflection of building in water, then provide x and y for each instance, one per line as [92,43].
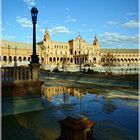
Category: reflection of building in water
[49,92]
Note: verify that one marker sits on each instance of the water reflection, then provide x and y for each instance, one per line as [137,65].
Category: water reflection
[61,94]
[109,106]
[116,118]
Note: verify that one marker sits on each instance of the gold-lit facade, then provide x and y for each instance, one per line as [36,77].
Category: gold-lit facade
[67,56]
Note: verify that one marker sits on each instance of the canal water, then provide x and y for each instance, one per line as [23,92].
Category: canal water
[115,111]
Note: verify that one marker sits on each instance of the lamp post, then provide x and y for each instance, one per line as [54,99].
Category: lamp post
[34,64]
[80,53]
[34,12]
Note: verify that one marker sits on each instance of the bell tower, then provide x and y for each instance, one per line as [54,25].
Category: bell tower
[96,46]
[47,37]
[96,50]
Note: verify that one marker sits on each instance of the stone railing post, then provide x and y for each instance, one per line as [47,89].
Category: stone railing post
[21,73]
[29,73]
[35,68]
[25,77]
[76,127]
[17,73]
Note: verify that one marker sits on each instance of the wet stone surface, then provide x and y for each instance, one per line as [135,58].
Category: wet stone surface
[115,112]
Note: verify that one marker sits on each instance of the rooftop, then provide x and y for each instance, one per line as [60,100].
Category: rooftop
[120,50]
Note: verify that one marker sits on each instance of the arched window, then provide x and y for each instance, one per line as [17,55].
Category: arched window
[75,52]
[71,60]
[61,59]
[24,58]
[54,59]
[79,52]
[5,58]
[15,58]
[20,59]
[10,58]
[50,59]
[28,58]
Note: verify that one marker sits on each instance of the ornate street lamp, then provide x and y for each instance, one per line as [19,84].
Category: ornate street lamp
[34,12]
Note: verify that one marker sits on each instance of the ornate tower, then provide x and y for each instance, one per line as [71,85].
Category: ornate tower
[96,46]
[96,50]
[47,37]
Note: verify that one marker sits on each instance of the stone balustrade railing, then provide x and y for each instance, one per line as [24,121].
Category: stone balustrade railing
[20,73]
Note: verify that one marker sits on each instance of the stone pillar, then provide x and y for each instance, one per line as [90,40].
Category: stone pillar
[29,73]
[17,73]
[21,73]
[25,76]
[35,68]
[76,127]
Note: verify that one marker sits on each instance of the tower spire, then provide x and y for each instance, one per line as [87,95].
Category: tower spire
[47,37]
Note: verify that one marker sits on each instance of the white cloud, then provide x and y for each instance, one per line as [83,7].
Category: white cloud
[86,30]
[38,38]
[8,37]
[67,9]
[45,22]
[70,19]
[117,40]
[112,22]
[131,13]
[24,22]
[59,29]
[130,24]
[41,30]
[30,3]
[84,24]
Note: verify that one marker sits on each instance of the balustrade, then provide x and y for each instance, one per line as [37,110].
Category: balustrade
[11,74]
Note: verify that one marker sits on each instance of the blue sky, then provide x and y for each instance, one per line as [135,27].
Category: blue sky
[114,22]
